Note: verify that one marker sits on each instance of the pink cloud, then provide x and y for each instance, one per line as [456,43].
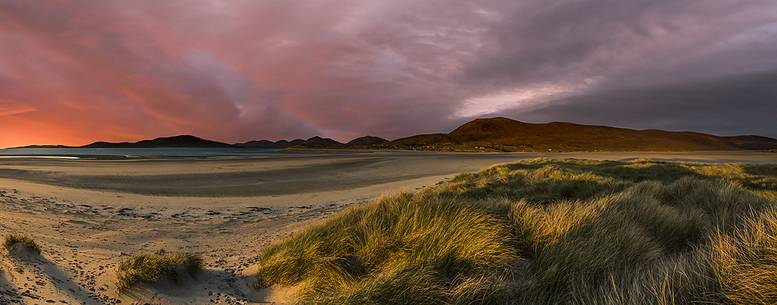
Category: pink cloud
[8,108]
[243,70]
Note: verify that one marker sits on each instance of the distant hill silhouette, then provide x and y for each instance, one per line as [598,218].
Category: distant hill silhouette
[44,146]
[319,142]
[314,142]
[270,144]
[176,141]
[366,141]
[494,134]
[503,134]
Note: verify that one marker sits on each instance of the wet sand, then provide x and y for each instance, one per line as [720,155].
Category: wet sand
[88,215]
[246,177]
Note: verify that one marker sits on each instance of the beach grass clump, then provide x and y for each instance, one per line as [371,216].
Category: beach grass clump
[745,261]
[412,243]
[154,268]
[15,241]
[637,239]
[548,232]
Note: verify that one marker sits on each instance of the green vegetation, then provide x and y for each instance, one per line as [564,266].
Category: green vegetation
[549,232]
[151,269]
[20,241]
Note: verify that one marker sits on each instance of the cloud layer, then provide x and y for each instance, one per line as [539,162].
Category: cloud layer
[75,71]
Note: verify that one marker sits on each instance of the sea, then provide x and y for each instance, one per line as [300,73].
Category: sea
[142,153]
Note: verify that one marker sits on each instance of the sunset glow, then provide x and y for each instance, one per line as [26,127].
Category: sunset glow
[72,72]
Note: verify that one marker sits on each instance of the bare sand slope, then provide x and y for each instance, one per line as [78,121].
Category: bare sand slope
[88,215]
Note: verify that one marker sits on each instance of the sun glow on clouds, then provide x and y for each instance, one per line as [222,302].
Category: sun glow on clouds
[12,108]
[522,98]
[75,71]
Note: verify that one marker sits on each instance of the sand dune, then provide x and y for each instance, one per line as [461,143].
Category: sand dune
[88,215]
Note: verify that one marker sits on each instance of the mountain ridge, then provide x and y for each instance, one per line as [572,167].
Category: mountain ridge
[491,134]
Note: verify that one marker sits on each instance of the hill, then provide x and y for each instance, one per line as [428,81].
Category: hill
[175,141]
[494,134]
[319,142]
[270,144]
[42,146]
[503,134]
[366,141]
[314,142]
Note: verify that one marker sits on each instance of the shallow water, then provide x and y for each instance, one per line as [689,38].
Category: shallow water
[148,152]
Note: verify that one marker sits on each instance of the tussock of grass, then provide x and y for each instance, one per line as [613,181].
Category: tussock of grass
[14,241]
[403,243]
[149,269]
[745,260]
[549,232]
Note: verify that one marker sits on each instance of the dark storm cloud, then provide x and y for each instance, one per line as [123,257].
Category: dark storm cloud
[75,71]
[727,106]
[680,65]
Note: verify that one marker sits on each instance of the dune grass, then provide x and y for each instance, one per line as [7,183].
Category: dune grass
[13,241]
[153,268]
[549,232]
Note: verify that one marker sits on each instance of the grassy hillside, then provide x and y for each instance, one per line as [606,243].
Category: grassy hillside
[503,134]
[549,232]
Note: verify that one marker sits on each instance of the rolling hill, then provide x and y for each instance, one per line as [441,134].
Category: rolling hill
[366,141]
[493,134]
[175,141]
[270,144]
[314,142]
[503,134]
[319,142]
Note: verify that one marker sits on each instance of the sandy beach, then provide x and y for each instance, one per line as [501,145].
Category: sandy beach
[88,215]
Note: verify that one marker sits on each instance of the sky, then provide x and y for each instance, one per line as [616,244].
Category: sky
[72,72]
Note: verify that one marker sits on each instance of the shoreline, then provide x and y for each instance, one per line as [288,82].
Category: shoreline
[154,153]
[85,230]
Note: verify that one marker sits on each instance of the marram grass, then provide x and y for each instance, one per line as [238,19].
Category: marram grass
[549,232]
[13,241]
[153,268]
